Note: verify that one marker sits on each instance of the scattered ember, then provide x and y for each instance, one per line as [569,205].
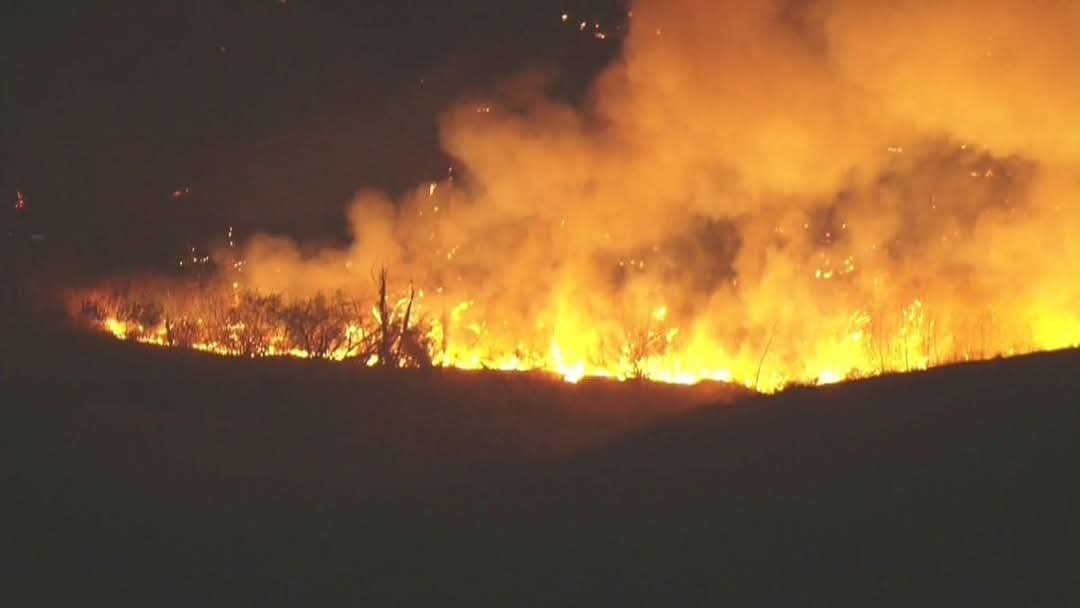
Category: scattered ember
[741,198]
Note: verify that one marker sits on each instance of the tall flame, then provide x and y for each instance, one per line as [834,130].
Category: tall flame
[759,192]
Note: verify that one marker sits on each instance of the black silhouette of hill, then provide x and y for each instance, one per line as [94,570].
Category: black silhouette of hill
[143,411]
[138,476]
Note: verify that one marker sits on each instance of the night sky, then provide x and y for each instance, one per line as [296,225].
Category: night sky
[267,116]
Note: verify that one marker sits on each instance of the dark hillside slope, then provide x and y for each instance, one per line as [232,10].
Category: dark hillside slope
[975,413]
[155,478]
[957,485]
[95,409]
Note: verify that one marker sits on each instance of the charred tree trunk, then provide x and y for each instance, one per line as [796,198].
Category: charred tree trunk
[386,340]
[405,325]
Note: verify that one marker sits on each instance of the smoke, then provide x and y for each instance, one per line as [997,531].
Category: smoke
[843,185]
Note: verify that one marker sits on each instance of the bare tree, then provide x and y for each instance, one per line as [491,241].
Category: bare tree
[386,327]
[413,344]
[764,353]
[399,341]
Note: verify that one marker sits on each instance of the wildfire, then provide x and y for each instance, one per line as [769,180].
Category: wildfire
[757,196]
[340,329]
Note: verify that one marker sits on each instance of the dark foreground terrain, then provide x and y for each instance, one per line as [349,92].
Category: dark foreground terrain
[135,476]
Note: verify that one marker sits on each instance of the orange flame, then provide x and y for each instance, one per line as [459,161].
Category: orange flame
[769,193]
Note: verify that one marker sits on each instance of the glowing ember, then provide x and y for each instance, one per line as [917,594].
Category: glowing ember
[748,198]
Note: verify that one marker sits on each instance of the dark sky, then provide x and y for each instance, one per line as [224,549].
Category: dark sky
[272,114]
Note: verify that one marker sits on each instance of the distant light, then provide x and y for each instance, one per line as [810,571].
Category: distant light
[180,193]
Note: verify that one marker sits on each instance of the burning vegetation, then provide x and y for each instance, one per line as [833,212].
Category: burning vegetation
[757,192]
[245,323]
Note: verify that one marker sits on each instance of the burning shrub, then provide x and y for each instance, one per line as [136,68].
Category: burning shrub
[256,322]
[320,326]
[146,314]
[248,327]
[633,348]
[400,340]
[94,310]
[641,346]
[181,332]
[250,324]
[414,347]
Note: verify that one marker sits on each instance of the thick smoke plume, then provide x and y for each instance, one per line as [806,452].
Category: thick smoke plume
[770,190]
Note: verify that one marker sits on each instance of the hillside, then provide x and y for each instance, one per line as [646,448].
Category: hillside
[162,477]
[955,485]
[139,412]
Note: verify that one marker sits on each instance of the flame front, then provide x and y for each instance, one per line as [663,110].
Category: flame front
[573,348]
[758,192]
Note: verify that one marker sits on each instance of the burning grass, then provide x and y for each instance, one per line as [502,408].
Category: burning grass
[405,328]
[246,323]
[753,192]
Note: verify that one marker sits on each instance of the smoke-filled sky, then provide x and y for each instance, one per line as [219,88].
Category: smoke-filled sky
[821,170]
[900,114]
[861,180]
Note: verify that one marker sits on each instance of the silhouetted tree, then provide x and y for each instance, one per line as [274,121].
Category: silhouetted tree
[399,341]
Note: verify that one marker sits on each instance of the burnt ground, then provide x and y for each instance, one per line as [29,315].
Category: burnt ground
[137,476]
